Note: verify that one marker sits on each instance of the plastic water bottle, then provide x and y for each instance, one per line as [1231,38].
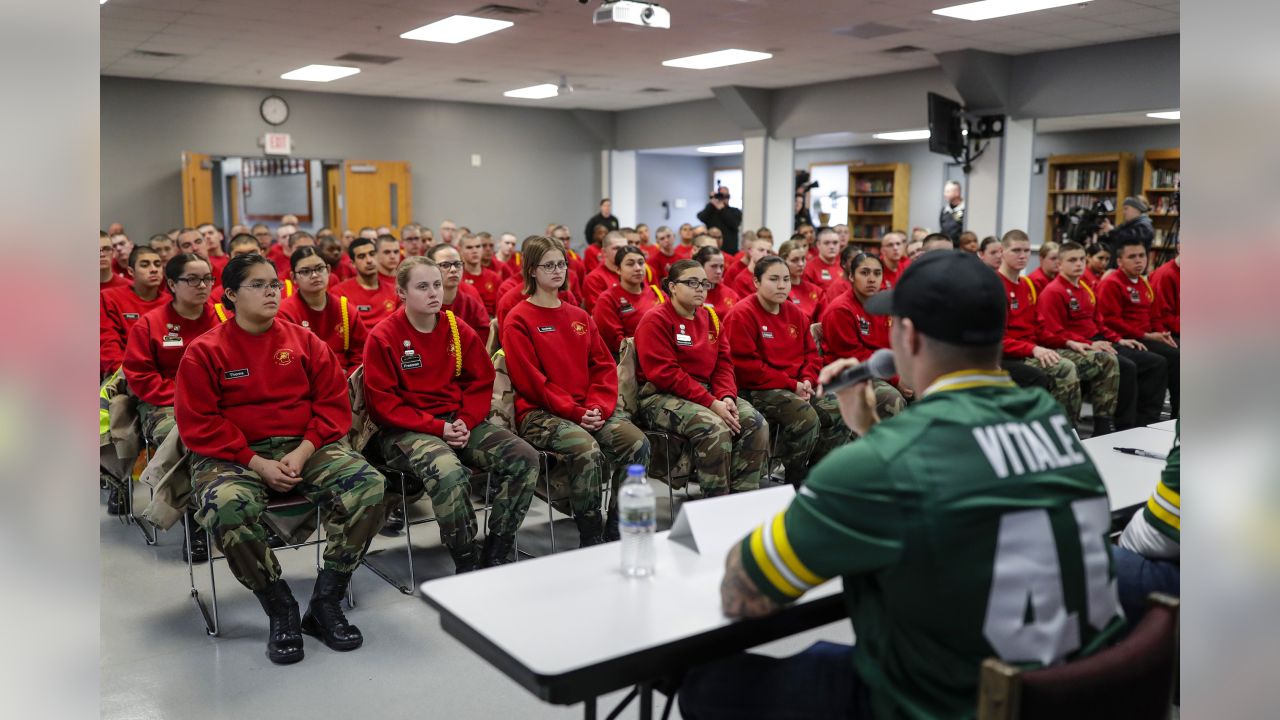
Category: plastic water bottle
[637,520]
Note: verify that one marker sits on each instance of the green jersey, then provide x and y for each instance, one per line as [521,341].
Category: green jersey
[971,525]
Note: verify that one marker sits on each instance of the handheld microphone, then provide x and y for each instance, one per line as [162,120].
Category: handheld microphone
[879,365]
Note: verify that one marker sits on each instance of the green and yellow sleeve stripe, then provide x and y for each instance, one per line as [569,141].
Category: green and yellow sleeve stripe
[772,562]
[1164,509]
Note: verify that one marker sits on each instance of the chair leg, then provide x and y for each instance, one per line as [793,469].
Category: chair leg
[551,516]
[408,537]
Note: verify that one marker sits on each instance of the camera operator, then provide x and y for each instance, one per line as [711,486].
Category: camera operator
[719,214]
[1136,226]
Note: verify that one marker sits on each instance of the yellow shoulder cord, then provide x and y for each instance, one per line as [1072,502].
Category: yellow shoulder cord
[1151,294]
[288,288]
[519,261]
[1092,297]
[648,273]
[715,321]
[1032,287]
[346,324]
[457,342]
[220,312]
[656,291]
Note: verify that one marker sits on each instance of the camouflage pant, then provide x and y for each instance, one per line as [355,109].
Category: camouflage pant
[157,422]
[1064,383]
[724,462]
[446,476]
[889,400]
[231,498]
[807,430]
[1102,372]
[590,454]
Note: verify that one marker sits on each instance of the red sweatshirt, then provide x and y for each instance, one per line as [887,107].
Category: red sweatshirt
[118,310]
[836,290]
[821,273]
[239,388]
[661,263]
[679,355]
[808,297]
[723,298]
[597,284]
[410,381]
[346,268]
[486,283]
[891,276]
[848,330]
[468,307]
[156,345]
[373,305]
[744,283]
[591,258]
[514,295]
[1125,304]
[618,312]
[1069,312]
[115,282]
[1020,322]
[577,271]
[1039,279]
[767,350]
[1090,278]
[345,337]
[1167,283]
[558,362]
[217,263]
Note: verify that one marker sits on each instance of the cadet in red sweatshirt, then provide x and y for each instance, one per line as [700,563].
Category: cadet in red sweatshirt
[566,387]
[617,313]
[119,308]
[893,258]
[373,299]
[1048,270]
[1126,301]
[474,274]
[1167,283]
[775,364]
[804,295]
[824,268]
[107,276]
[262,409]
[1069,313]
[461,299]
[1097,257]
[687,387]
[721,297]
[667,252]
[848,330]
[428,384]
[332,317]
[605,275]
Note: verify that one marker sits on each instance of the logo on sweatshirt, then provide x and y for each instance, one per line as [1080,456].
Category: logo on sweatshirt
[793,331]
[579,327]
[283,356]
[864,325]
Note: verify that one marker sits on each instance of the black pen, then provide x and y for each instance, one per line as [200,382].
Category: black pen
[1141,453]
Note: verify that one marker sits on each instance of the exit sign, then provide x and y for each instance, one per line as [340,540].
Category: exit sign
[277,144]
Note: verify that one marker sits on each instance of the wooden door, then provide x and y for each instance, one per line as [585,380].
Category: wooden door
[197,189]
[334,216]
[377,193]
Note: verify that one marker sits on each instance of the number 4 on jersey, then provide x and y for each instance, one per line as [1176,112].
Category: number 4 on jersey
[1028,572]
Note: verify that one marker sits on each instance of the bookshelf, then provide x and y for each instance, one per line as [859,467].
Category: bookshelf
[878,196]
[1161,178]
[1085,179]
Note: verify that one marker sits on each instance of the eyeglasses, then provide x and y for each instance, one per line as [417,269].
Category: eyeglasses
[311,272]
[197,280]
[450,265]
[553,266]
[696,284]
[260,285]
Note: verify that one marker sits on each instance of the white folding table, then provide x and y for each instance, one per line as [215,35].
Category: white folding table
[1129,479]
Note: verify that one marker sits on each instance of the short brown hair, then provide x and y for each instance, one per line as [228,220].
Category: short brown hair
[535,247]
[1013,236]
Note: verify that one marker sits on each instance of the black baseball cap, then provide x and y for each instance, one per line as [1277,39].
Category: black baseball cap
[949,295]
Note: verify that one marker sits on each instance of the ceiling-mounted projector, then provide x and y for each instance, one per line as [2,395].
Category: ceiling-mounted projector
[629,12]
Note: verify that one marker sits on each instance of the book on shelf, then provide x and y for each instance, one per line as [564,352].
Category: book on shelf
[1084,179]
[870,231]
[1163,205]
[1164,238]
[1165,178]
[872,204]
[1063,203]
[867,185]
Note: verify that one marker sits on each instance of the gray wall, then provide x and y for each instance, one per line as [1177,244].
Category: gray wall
[538,165]
[927,173]
[1134,140]
[667,177]
[1115,77]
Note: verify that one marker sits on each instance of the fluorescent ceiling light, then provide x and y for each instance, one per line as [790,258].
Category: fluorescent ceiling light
[903,135]
[102,2]
[319,73]
[987,9]
[534,92]
[1166,115]
[732,149]
[456,28]
[719,58]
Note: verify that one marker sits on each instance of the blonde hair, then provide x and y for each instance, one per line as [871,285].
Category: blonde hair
[406,268]
[1049,247]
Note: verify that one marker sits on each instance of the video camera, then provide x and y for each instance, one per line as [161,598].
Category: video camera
[1080,223]
[803,182]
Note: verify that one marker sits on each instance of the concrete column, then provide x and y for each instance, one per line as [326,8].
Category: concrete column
[768,184]
[982,192]
[622,185]
[754,171]
[1015,175]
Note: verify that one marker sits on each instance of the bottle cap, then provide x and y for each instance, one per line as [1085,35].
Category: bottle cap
[635,469]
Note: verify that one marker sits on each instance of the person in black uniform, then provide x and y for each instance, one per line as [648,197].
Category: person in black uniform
[719,214]
[604,217]
[951,219]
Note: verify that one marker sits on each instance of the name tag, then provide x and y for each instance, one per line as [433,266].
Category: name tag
[235,374]
[1074,304]
[1133,297]
[171,342]
[410,362]
[131,316]
[864,326]
[682,339]
[364,308]
[546,328]
[626,308]
[826,275]
[767,335]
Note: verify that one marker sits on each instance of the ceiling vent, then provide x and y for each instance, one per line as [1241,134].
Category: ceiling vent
[902,49]
[470,81]
[497,10]
[366,59]
[869,31]
[157,54]
[653,90]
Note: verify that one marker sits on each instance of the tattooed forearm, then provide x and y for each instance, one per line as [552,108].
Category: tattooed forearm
[739,597]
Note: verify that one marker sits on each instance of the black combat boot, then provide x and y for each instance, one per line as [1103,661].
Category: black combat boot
[324,618]
[284,644]
[196,548]
[465,556]
[611,532]
[394,523]
[590,528]
[1103,425]
[115,502]
[497,550]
